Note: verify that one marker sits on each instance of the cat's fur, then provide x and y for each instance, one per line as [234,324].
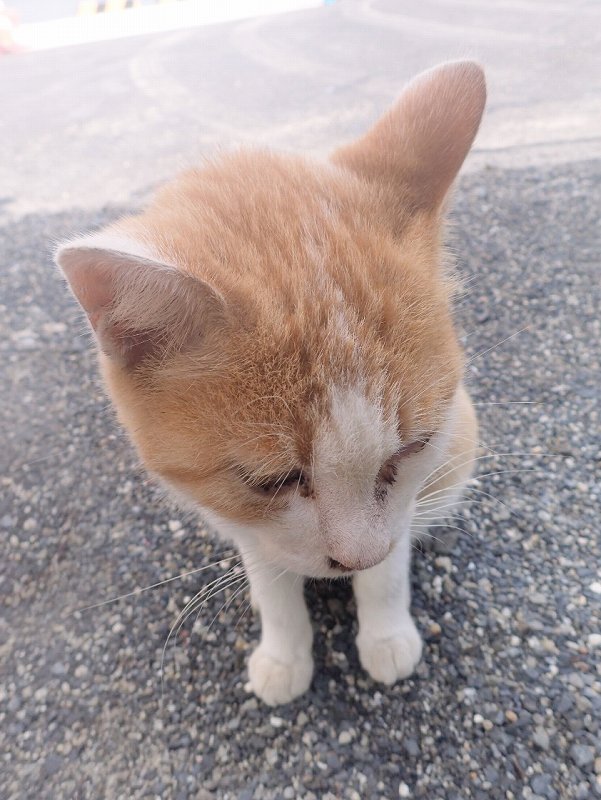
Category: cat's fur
[276,335]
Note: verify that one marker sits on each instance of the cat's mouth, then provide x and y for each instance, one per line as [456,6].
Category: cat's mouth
[336,565]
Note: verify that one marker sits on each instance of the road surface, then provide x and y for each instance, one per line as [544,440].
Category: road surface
[507,701]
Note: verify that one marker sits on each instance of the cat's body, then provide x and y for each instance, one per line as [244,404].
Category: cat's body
[277,338]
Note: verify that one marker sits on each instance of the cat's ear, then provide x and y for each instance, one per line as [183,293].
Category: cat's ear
[420,144]
[137,305]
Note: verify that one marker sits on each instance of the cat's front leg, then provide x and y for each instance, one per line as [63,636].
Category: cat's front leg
[388,642]
[281,667]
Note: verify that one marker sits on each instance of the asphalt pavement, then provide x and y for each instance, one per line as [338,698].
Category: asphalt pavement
[507,701]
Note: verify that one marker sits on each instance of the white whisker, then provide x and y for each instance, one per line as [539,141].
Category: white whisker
[136,592]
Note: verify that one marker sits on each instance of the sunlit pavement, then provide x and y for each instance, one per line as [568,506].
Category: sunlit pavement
[94,23]
[142,107]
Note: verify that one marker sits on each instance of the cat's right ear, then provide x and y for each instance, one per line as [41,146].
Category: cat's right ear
[137,304]
[418,147]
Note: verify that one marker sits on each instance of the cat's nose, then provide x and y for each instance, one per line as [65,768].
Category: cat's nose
[333,564]
[357,562]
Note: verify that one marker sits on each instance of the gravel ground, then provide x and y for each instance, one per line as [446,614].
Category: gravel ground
[507,700]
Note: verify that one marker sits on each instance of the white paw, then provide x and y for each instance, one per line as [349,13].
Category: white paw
[391,658]
[277,682]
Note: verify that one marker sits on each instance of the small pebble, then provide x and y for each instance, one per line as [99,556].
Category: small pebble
[582,754]
[541,739]
[444,562]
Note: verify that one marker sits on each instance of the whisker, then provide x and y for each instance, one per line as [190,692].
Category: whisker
[441,525]
[136,592]
[207,589]
[469,362]
[428,536]
[229,602]
[250,570]
[478,477]
[204,595]
[245,609]
[435,511]
[183,616]
[494,346]
[514,403]
[438,478]
[505,505]
[220,584]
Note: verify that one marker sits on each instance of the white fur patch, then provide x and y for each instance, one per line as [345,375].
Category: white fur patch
[112,241]
[350,448]
[357,437]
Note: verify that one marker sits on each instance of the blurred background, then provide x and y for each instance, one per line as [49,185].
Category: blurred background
[99,103]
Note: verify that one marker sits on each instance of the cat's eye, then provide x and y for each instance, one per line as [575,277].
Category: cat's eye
[290,480]
[388,471]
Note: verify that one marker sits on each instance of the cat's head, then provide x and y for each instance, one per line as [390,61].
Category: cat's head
[276,334]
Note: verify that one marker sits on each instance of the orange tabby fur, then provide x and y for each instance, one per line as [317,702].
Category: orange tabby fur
[269,315]
[197,415]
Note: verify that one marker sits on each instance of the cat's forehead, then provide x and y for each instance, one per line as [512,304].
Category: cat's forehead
[320,413]
[257,200]
[334,317]
[356,434]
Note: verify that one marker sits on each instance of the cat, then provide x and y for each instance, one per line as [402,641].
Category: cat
[277,338]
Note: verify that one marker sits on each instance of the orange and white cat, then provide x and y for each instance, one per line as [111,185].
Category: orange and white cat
[277,337]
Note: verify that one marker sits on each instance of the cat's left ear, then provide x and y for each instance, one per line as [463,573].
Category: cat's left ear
[418,147]
[137,303]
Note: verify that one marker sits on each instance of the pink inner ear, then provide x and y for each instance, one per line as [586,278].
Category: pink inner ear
[135,305]
[127,346]
[94,275]
[92,284]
